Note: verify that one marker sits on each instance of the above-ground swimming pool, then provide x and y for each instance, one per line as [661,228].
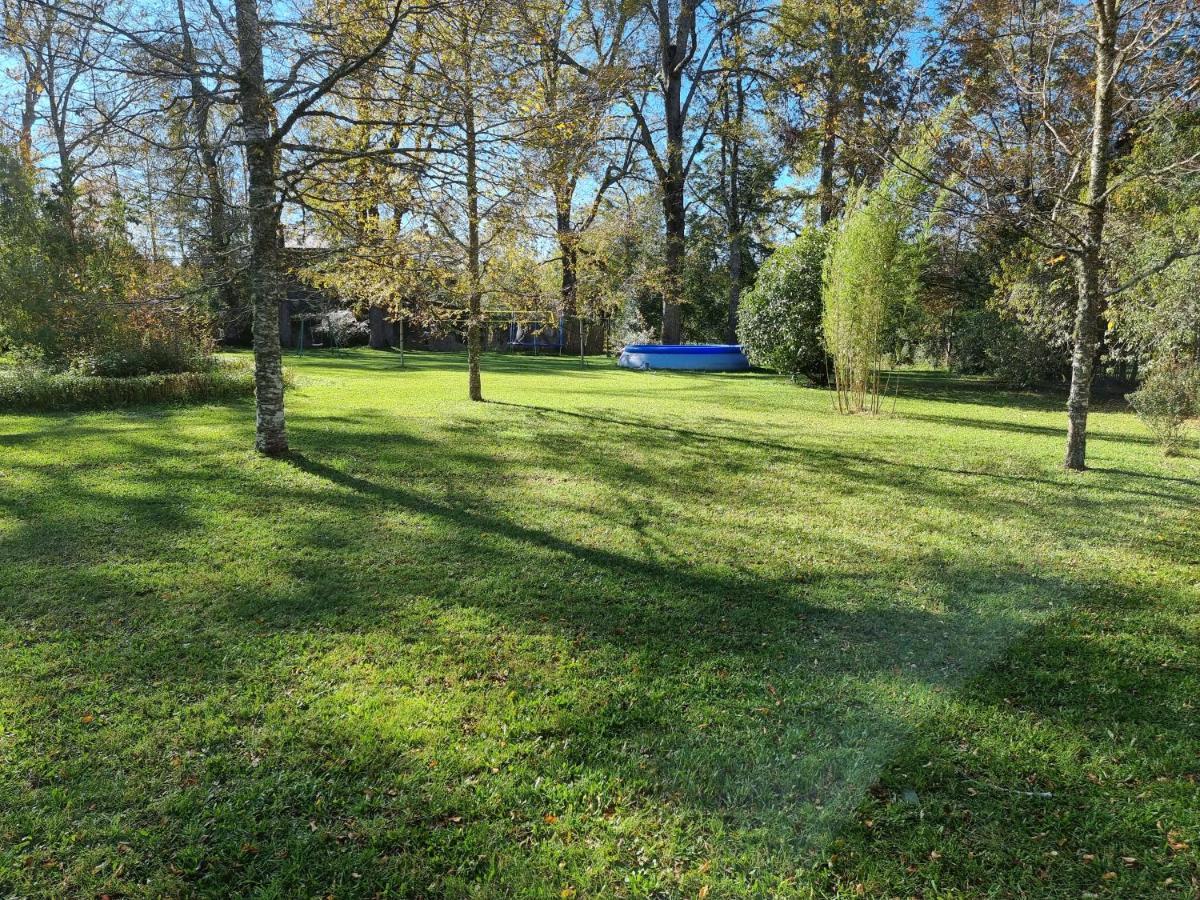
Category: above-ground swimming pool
[688,357]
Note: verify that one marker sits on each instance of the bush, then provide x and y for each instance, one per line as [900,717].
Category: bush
[874,266]
[1168,397]
[25,389]
[340,328]
[986,342]
[150,340]
[779,319]
[84,299]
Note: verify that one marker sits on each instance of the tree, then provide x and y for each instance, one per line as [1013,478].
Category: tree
[572,136]
[673,66]
[838,86]
[471,190]
[1084,78]
[1157,319]
[745,172]
[218,258]
[282,71]
[265,133]
[65,87]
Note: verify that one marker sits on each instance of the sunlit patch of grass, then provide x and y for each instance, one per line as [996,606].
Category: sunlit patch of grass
[609,634]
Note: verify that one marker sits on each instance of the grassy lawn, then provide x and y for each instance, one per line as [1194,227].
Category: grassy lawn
[609,634]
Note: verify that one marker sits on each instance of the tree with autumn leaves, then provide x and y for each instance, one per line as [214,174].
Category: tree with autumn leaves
[450,160]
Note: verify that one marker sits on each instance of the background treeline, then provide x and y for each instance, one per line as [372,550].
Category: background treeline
[1006,188]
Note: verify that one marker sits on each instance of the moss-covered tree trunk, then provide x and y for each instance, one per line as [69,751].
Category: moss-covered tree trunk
[266,284]
[674,186]
[474,272]
[1088,261]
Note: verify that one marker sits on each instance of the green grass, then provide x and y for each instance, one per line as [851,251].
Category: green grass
[609,634]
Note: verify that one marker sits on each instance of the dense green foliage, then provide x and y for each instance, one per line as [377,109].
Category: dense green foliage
[534,648]
[987,341]
[779,321]
[1158,318]
[83,298]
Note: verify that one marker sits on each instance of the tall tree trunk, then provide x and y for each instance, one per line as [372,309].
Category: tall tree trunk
[733,225]
[1088,261]
[474,274]
[674,210]
[735,287]
[377,329]
[66,166]
[828,152]
[28,116]
[219,250]
[568,252]
[734,110]
[264,265]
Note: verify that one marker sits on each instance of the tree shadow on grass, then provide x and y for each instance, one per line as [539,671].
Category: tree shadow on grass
[1025,428]
[816,455]
[1086,778]
[435,655]
[942,388]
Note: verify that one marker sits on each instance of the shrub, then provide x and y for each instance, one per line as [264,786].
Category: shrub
[987,342]
[84,299]
[341,328]
[26,389]
[779,319]
[1168,397]
[873,265]
[151,339]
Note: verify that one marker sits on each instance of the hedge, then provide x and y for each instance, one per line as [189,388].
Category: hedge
[26,390]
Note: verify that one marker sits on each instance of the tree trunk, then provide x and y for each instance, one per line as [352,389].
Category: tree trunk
[733,224]
[219,252]
[377,329]
[828,153]
[474,274]
[568,252]
[66,167]
[28,117]
[568,255]
[734,109]
[265,281]
[1089,261]
[673,213]
[735,287]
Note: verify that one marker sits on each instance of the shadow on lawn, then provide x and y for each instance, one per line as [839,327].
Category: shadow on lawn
[1025,428]
[939,387]
[755,700]
[717,700]
[809,455]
